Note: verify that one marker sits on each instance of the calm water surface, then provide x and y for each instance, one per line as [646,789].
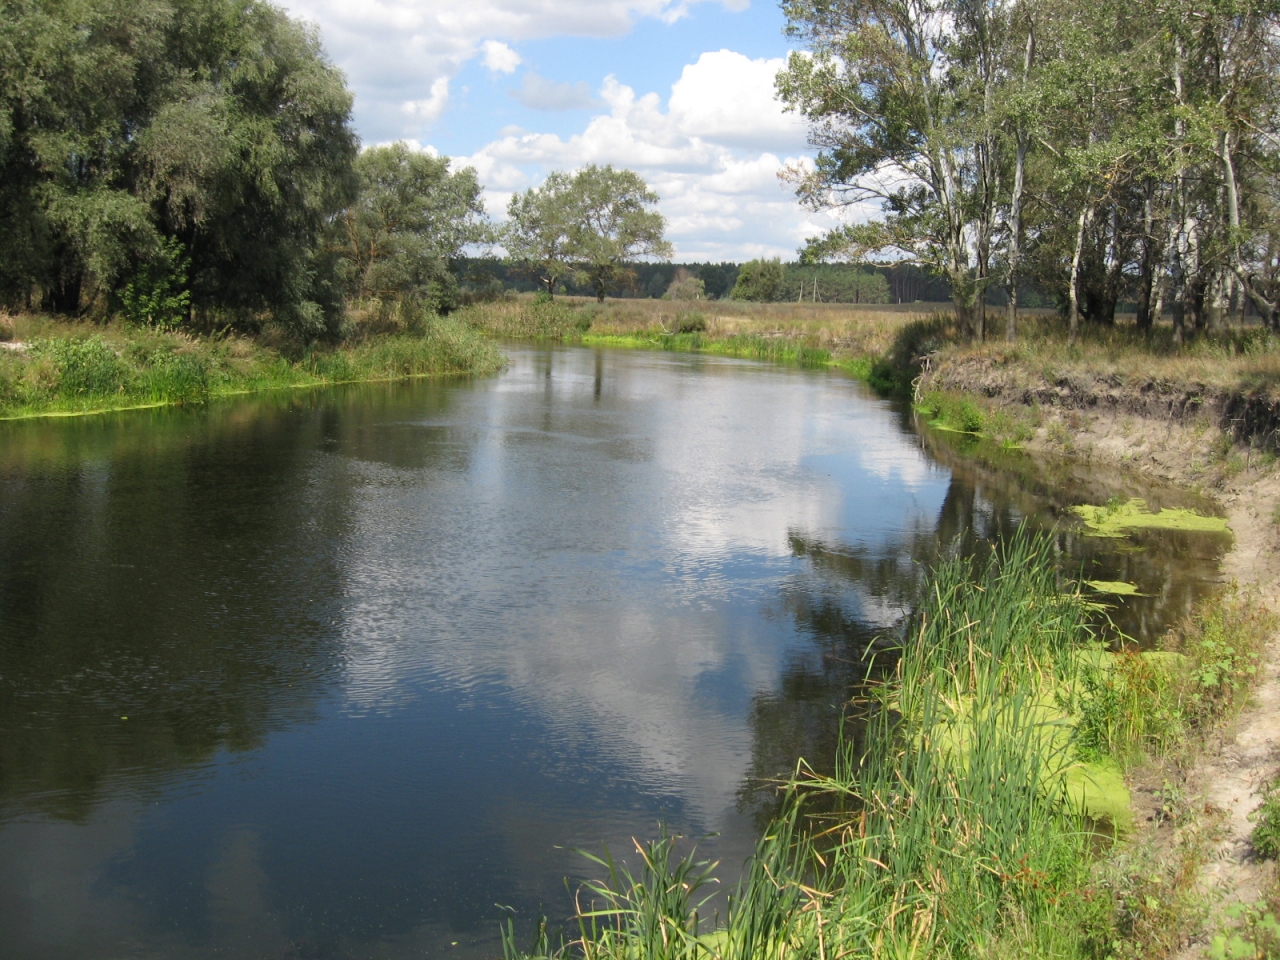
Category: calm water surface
[388,653]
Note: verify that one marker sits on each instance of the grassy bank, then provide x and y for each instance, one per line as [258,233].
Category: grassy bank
[978,810]
[1225,381]
[809,334]
[49,368]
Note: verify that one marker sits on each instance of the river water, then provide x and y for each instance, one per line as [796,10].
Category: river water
[337,673]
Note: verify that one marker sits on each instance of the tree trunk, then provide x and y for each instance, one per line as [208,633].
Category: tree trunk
[1073,294]
[1015,203]
[1146,268]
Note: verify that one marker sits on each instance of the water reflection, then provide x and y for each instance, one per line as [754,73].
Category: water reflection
[388,652]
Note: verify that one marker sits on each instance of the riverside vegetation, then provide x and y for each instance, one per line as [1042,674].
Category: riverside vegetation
[977,809]
[56,368]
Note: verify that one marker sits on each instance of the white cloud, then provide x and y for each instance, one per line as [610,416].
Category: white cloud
[728,98]
[713,156]
[393,50]
[500,58]
[428,111]
[539,93]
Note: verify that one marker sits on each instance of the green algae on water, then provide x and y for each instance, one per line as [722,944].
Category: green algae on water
[1119,588]
[1120,518]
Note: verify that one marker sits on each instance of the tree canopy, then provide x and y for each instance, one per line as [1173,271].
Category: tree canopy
[587,225]
[126,127]
[411,217]
[1106,151]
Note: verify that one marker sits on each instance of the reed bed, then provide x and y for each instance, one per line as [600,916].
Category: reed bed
[967,819]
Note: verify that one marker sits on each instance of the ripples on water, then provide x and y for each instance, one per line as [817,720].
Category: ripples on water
[387,652]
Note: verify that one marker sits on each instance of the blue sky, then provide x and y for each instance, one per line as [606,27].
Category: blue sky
[679,91]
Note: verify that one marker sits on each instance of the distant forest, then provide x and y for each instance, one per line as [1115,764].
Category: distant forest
[835,283]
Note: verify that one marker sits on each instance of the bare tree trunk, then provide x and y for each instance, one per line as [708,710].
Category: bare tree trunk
[1073,315]
[1146,275]
[1015,204]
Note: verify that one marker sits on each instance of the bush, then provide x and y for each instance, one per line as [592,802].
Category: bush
[82,368]
[1266,832]
[691,323]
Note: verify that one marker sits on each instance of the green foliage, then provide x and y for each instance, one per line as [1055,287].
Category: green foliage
[586,226]
[614,221]
[691,322]
[833,283]
[132,131]
[156,295]
[411,218]
[759,280]
[686,287]
[149,367]
[80,368]
[947,411]
[1266,819]
[1255,934]
[1152,170]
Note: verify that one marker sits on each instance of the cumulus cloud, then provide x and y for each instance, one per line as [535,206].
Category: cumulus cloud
[539,93]
[428,110]
[713,155]
[392,50]
[500,58]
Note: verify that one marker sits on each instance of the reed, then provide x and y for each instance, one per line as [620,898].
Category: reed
[952,833]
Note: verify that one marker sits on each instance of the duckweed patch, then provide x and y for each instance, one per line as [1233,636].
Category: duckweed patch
[1121,518]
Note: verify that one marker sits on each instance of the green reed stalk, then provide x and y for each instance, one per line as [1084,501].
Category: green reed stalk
[951,834]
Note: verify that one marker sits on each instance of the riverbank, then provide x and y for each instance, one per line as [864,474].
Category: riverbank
[979,807]
[1185,880]
[1203,417]
[51,368]
[849,336]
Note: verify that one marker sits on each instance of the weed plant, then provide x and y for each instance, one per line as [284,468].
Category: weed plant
[71,370]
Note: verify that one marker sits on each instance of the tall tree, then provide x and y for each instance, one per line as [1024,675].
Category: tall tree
[614,221]
[411,218]
[899,96]
[216,123]
[539,234]
[586,225]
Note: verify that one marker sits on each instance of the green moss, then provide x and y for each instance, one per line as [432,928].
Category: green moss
[1120,518]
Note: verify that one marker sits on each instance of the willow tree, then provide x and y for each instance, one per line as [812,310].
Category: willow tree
[128,126]
[412,216]
[586,225]
[538,234]
[615,220]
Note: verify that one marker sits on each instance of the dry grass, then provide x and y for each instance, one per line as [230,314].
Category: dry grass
[846,330]
[1244,359]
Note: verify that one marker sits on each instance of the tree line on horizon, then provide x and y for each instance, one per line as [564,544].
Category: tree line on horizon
[482,277]
[1106,150]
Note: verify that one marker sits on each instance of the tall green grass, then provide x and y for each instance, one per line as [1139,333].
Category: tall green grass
[951,833]
[137,367]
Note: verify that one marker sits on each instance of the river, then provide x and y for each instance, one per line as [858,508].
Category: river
[337,673]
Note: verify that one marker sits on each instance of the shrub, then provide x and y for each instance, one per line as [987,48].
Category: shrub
[1266,832]
[691,323]
[82,368]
